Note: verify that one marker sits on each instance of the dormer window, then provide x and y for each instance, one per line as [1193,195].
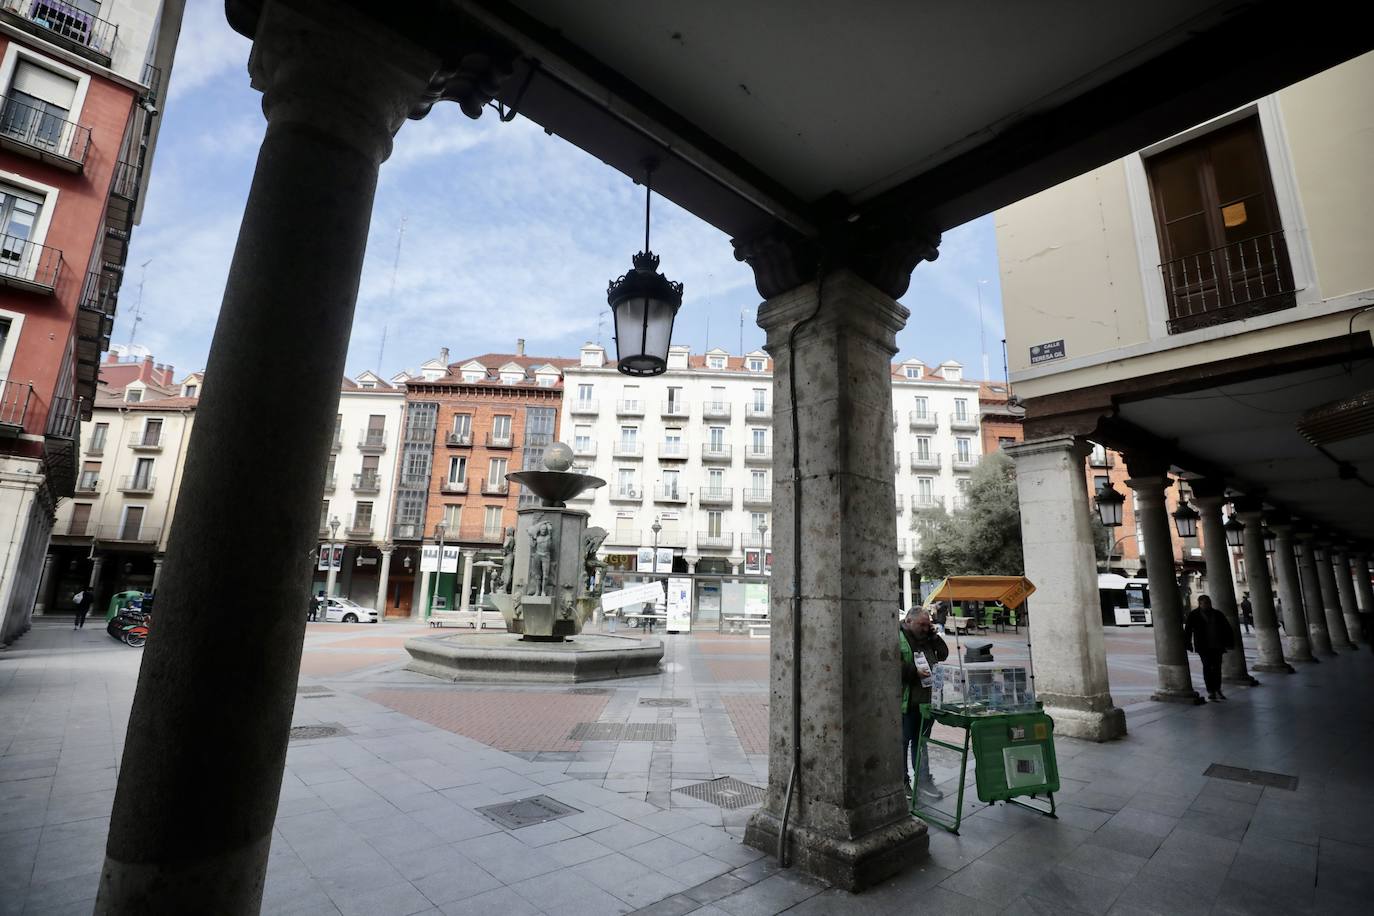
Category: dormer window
[756,364]
[189,391]
[953,374]
[913,372]
[715,362]
[546,381]
[133,395]
[471,375]
[511,378]
[367,385]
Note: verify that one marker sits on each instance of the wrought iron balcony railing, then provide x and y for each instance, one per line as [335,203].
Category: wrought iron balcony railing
[716,410]
[755,496]
[717,496]
[585,407]
[496,440]
[676,410]
[15,398]
[367,483]
[1250,277]
[137,483]
[967,421]
[626,493]
[758,411]
[66,25]
[64,417]
[931,461]
[88,483]
[674,494]
[129,532]
[629,408]
[150,440]
[372,440]
[629,450]
[675,451]
[710,452]
[495,487]
[924,420]
[716,541]
[459,440]
[584,448]
[28,265]
[454,486]
[758,454]
[41,135]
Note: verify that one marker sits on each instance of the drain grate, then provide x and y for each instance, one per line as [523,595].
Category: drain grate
[316,696]
[589,691]
[307,732]
[623,731]
[664,701]
[526,812]
[310,688]
[727,792]
[1253,777]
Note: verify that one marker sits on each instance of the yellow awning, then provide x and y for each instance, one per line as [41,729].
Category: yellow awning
[1011,591]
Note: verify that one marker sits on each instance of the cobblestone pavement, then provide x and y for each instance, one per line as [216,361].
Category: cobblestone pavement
[385,817]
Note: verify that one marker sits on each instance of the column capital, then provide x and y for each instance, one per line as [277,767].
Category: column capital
[1209,489]
[1076,447]
[1248,506]
[1149,488]
[882,252]
[387,549]
[847,301]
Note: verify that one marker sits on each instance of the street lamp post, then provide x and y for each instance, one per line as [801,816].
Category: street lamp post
[1111,551]
[763,544]
[439,530]
[333,569]
[655,528]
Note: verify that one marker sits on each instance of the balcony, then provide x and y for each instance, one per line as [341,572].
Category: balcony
[458,440]
[901,547]
[367,482]
[360,529]
[338,441]
[39,135]
[586,408]
[152,81]
[716,496]
[715,452]
[672,451]
[901,504]
[127,533]
[628,450]
[498,440]
[624,537]
[758,454]
[137,484]
[1240,280]
[758,411]
[716,410]
[716,541]
[968,421]
[584,448]
[492,535]
[14,406]
[758,497]
[150,440]
[1103,459]
[495,487]
[626,493]
[29,266]
[931,461]
[919,503]
[63,417]
[924,420]
[453,487]
[330,483]
[372,442]
[755,541]
[629,408]
[95,317]
[670,495]
[966,463]
[88,484]
[414,482]
[406,531]
[675,410]
[63,25]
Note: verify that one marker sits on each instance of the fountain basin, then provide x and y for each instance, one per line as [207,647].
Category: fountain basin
[504,658]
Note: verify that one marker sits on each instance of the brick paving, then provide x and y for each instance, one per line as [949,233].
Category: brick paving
[324,664]
[509,721]
[749,715]
[738,670]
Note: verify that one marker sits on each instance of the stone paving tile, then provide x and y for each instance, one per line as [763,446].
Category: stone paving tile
[512,721]
[1070,889]
[982,880]
[500,902]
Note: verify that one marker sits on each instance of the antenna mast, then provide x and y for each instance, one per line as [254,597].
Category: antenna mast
[138,306]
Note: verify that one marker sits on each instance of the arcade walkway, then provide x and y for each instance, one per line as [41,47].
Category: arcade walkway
[382,820]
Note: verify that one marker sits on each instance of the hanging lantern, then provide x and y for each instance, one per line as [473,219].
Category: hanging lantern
[1110,501]
[1270,539]
[644,304]
[1185,520]
[1235,532]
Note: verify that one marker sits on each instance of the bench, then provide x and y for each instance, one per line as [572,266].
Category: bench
[466,618]
[961,625]
[757,624]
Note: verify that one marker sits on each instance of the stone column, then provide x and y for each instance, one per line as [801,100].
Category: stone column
[849,820]
[157,571]
[906,566]
[420,609]
[1209,496]
[44,587]
[1166,610]
[93,583]
[383,575]
[1313,607]
[469,557]
[1299,646]
[1064,614]
[1331,598]
[1250,511]
[207,738]
[1364,592]
[1345,588]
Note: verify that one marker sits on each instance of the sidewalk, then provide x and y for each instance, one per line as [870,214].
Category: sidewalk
[383,817]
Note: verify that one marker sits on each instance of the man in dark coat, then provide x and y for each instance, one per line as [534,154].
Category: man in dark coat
[84,599]
[1208,633]
[1247,612]
[921,650]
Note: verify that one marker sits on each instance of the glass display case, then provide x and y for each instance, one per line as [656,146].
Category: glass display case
[982,688]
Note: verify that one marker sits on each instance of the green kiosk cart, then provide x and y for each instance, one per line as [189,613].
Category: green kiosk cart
[1006,729]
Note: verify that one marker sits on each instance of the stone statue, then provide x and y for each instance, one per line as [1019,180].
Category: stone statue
[542,558]
[592,539]
[504,577]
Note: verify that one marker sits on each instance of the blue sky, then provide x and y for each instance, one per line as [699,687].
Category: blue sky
[508,233]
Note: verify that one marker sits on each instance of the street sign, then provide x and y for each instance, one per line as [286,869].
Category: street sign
[1043,353]
[633,594]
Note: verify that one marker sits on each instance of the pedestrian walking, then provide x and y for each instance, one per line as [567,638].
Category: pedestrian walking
[1247,612]
[922,649]
[1207,633]
[84,599]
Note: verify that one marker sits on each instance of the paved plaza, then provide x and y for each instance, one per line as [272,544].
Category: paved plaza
[384,817]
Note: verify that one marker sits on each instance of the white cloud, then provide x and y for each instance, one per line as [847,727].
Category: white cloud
[207,49]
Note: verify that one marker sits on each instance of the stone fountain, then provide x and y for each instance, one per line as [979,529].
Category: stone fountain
[545,593]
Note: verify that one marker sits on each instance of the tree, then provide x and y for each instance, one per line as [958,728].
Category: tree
[983,536]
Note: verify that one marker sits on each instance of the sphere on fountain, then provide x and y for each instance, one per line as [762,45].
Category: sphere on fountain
[558,457]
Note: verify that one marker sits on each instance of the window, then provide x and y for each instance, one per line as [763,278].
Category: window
[717,438]
[1100,482]
[962,449]
[625,482]
[717,401]
[584,393]
[952,373]
[81,518]
[1221,242]
[672,438]
[152,432]
[756,521]
[674,400]
[500,427]
[925,490]
[512,378]
[631,396]
[376,429]
[329,469]
[913,372]
[713,520]
[629,438]
[362,517]
[922,408]
[90,475]
[98,437]
[133,523]
[324,515]
[756,364]
[462,425]
[582,438]
[715,362]
[453,520]
[338,427]
[758,441]
[670,484]
[189,391]
[715,480]
[923,448]
[496,472]
[457,470]
[546,380]
[133,395]
[960,409]
[143,474]
[538,433]
[19,212]
[491,521]
[758,481]
[1004,441]
[760,399]
[473,375]
[38,106]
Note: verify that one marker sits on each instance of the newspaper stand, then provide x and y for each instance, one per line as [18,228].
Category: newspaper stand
[1005,727]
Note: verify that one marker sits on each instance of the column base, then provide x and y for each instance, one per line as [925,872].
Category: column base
[849,863]
[1242,679]
[233,880]
[1089,724]
[1275,668]
[1191,697]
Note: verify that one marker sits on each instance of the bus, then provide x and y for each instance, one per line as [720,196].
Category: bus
[1125,602]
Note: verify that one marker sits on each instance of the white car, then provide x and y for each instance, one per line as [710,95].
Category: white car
[341,610]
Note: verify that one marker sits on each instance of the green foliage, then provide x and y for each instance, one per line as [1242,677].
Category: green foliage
[980,538]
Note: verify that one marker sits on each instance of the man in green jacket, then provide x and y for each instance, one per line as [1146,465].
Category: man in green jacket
[922,649]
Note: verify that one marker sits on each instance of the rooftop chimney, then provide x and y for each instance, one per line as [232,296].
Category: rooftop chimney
[519,346]
[443,355]
[146,371]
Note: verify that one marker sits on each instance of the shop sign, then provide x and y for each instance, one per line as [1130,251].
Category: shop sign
[679,604]
[429,558]
[324,556]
